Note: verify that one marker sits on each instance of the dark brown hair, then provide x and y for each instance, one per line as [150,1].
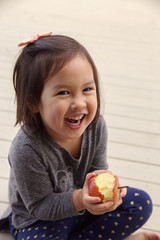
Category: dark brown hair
[37,62]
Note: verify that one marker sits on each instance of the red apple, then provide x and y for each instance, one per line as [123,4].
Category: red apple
[105,186]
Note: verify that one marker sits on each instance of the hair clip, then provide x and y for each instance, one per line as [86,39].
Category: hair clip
[33,39]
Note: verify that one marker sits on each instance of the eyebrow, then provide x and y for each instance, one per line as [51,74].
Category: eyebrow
[58,86]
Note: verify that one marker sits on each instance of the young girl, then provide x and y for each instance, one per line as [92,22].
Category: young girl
[60,146]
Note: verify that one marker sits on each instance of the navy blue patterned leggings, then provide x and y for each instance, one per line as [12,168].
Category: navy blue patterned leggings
[117,225]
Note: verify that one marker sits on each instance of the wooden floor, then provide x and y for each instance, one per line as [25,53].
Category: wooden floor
[123,37]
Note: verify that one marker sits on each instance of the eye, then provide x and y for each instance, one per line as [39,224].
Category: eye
[87,89]
[63,93]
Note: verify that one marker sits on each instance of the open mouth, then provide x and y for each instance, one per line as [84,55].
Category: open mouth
[75,121]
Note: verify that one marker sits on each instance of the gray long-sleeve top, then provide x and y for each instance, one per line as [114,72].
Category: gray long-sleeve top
[44,175]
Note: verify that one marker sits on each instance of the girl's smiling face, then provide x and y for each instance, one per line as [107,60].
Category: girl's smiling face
[68,102]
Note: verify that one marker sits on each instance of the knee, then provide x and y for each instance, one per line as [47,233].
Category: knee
[139,202]
[143,201]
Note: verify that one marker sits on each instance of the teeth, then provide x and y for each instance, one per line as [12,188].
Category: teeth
[76,118]
[74,121]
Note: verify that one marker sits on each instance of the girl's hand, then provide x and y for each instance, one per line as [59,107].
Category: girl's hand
[123,191]
[82,200]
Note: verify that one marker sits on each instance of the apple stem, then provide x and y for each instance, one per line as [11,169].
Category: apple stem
[123,187]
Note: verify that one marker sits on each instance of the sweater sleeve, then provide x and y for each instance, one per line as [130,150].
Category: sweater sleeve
[100,140]
[34,189]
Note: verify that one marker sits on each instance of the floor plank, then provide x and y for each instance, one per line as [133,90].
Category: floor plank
[137,113]
[4,190]
[137,171]
[133,153]
[129,136]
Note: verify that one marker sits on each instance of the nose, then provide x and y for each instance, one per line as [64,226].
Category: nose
[78,103]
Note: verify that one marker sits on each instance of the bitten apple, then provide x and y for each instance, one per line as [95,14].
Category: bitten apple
[105,186]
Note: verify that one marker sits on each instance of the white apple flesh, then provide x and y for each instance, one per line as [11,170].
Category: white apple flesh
[105,186]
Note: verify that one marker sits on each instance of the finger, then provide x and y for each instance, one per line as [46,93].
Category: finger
[89,176]
[92,200]
[123,192]
[99,208]
[110,206]
[119,202]
[102,208]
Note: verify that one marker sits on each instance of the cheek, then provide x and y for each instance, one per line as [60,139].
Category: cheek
[93,105]
[57,110]
[46,110]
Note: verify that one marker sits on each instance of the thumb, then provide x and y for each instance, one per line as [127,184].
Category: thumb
[88,177]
